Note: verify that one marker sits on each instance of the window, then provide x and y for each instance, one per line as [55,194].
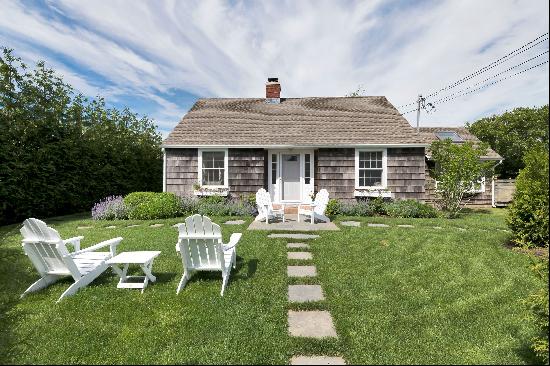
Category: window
[442,135]
[307,175]
[213,168]
[273,168]
[370,168]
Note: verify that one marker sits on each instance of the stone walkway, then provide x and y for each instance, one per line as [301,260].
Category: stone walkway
[291,224]
[316,324]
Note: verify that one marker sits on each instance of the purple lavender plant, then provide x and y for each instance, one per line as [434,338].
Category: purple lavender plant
[110,208]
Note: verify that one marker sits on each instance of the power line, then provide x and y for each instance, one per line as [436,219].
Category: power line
[503,59]
[445,100]
[493,64]
[492,77]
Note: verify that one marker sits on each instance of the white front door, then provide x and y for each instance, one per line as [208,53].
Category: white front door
[290,177]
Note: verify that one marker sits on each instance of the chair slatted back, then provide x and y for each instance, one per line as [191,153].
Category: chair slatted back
[321,202]
[262,199]
[46,249]
[200,242]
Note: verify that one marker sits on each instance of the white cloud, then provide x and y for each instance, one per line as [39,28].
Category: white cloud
[317,48]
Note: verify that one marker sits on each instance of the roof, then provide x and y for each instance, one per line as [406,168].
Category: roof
[335,121]
[429,134]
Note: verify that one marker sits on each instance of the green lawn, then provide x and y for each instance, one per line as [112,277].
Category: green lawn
[397,295]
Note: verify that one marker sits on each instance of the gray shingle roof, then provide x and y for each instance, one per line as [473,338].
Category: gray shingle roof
[295,121]
[429,134]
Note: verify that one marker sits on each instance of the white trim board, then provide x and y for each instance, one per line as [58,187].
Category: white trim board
[290,146]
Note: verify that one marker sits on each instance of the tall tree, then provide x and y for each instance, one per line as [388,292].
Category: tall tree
[512,135]
[60,152]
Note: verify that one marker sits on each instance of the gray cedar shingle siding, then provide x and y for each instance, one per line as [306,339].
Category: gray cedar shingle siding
[406,172]
[335,172]
[246,171]
[181,170]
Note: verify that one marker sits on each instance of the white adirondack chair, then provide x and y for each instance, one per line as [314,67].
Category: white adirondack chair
[319,206]
[265,207]
[49,255]
[201,248]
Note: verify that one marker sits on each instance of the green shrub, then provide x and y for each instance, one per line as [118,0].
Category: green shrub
[134,199]
[378,205]
[152,205]
[360,208]
[410,208]
[528,214]
[213,200]
[538,304]
[333,207]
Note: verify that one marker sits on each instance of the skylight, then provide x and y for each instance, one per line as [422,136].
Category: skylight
[442,135]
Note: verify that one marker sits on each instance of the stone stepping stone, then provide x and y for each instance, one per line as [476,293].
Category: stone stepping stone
[156,225]
[405,225]
[311,324]
[297,246]
[378,225]
[234,222]
[305,293]
[110,227]
[317,360]
[132,225]
[293,236]
[299,255]
[301,271]
[351,223]
[84,227]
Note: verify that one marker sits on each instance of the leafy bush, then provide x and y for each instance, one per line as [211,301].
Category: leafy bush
[458,167]
[410,208]
[360,208]
[134,199]
[153,205]
[209,200]
[333,207]
[528,214]
[60,152]
[538,304]
[378,205]
[110,208]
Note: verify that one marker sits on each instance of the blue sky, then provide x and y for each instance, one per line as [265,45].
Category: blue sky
[158,57]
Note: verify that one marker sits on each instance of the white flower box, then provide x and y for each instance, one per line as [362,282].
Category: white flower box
[224,192]
[367,193]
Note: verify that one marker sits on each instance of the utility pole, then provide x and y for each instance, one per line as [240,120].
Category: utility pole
[420,104]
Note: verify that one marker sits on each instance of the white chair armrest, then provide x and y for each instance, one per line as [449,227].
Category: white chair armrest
[233,240]
[74,241]
[111,243]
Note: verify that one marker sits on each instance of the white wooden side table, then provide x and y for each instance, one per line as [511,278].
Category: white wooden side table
[144,259]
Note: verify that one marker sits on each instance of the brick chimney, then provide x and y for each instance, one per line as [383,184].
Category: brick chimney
[273,91]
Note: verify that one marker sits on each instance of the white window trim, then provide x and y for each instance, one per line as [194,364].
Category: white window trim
[384,169]
[225,170]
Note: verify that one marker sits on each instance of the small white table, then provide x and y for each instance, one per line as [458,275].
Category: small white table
[143,259]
